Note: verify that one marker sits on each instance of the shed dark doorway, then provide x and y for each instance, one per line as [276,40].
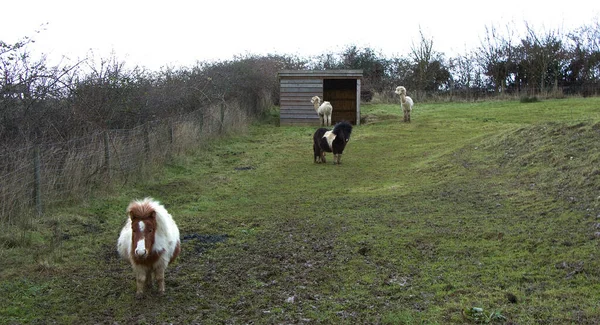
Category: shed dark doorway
[342,95]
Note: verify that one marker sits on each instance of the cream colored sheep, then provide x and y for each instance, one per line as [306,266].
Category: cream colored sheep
[405,101]
[324,110]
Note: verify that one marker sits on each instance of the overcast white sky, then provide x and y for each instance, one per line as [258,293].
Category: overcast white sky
[179,32]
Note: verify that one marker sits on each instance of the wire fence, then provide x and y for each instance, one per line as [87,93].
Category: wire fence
[481,94]
[37,177]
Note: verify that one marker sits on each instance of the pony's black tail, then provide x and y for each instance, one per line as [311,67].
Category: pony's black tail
[344,127]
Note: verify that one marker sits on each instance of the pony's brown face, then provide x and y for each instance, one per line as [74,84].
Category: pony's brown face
[143,226]
[143,236]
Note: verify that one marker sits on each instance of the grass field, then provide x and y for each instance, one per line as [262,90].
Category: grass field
[473,213]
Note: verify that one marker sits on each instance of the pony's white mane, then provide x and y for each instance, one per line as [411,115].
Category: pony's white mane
[124,242]
[167,233]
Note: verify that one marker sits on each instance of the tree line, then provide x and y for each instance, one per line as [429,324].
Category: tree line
[43,103]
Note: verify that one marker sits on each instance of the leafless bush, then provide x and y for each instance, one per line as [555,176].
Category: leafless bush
[97,123]
[73,170]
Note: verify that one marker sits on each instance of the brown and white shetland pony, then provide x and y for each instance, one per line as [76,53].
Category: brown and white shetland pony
[149,241]
[334,141]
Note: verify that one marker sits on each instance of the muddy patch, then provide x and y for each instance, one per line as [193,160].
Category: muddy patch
[202,242]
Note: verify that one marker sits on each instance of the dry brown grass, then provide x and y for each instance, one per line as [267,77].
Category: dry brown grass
[73,171]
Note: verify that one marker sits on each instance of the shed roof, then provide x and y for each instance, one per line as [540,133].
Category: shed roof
[325,74]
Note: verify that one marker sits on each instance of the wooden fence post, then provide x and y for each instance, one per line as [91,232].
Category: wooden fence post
[201,123]
[222,124]
[37,183]
[171,133]
[107,154]
[146,140]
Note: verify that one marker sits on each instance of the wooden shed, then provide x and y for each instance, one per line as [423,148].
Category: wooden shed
[340,87]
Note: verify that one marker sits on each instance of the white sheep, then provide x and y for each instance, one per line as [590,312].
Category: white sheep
[405,101]
[324,110]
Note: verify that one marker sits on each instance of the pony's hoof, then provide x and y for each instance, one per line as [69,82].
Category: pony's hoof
[139,295]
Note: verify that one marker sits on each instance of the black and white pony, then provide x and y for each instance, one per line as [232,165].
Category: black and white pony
[334,140]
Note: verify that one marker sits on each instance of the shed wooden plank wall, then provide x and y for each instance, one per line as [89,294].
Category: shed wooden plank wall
[294,102]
